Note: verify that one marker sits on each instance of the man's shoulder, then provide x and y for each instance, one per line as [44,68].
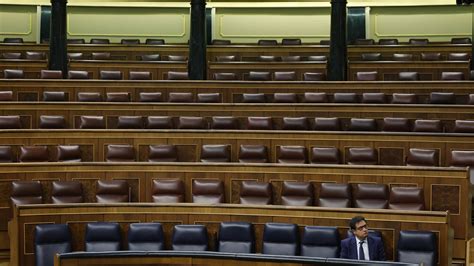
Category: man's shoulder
[346,241]
[374,239]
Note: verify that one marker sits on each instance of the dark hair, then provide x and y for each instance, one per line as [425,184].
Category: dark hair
[356,220]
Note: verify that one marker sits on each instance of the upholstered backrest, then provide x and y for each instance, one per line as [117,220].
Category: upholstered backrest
[236,237]
[51,239]
[423,157]
[38,153]
[280,239]
[362,156]
[145,237]
[417,247]
[254,192]
[102,236]
[68,153]
[334,195]
[215,153]
[325,155]
[253,154]
[406,198]
[292,154]
[297,193]
[26,192]
[120,153]
[168,191]
[370,196]
[189,238]
[162,153]
[295,123]
[67,192]
[319,241]
[208,191]
[112,191]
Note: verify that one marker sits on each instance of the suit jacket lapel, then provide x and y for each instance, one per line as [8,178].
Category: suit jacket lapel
[353,249]
[371,245]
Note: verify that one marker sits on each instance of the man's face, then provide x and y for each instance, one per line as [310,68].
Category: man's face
[361,230]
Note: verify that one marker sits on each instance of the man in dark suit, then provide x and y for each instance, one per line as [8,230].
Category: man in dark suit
[362,246]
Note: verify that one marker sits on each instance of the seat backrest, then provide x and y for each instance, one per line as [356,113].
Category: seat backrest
[461,40]
[215,153]
[267,42]
[89,97]
[362,124]
[162,153]
[370,196]
[75,56]
[442,98]
[189,238]
[67,192]
[35,55]
[290,58]
[315,97]
[68,153]
[313,76]
[155,41]
[408,76]
[177,58]
[291,41]
[13,73]
[297,193]
[99,41]
[139,75]
[371,56]
[325,155]
[76,41]
[295,123]
[422,157]
[145,237]
[111,74]
[259,76]
[11,55]
[334,195]
[458,56]
[6,96]
[452,75]
[192,122]
[130,122]
[288,97]
[253,154]
[168,191]
[159,122]
[345,97]
[253,98]
[51,239]
[130,41]
[430,56]
[402,57]
[209,97]
[362,156]
[150,57]
[367,75]
[254,192]
[51,74]
[327,123]
[388,41]
[10,122]
[318,58]
[102,236]
[92,122]
[177,75]
[6,154]
[280,239]
[224,122]
[463,126]
[414,41]
[406,198]
[267,58]
[181,97]
[12,40]
[462,158]
[101,56]
[320,241]
[284,76]
[208,191]
[417,247]
[236,237]
[26,192]
[373,97]
[396,124]
[54,96]
[221,42]
[422,125]
[364,42]
[112,191]
[150,97]
[120,153]
[292,154]
[37,153]
[225,76]
[259,123]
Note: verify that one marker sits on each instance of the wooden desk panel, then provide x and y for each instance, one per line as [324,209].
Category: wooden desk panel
[76,216]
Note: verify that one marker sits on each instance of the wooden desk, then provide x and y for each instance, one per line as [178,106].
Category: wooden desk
[77,215]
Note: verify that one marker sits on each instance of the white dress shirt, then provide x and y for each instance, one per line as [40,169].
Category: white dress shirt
[365,246]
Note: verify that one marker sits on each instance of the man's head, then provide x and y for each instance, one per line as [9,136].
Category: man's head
[358,227]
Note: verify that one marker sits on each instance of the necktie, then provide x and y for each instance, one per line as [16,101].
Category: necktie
[361,251]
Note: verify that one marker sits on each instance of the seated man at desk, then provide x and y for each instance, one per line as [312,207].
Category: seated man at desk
[362,246]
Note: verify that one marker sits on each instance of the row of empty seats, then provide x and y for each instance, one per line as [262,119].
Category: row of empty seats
[387,124]
[437,56]
[212,191]
[92,56]
[94,41]
[233,237]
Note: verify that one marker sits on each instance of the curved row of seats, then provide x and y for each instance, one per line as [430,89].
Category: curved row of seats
[211,191]
[233,237]
[93,56]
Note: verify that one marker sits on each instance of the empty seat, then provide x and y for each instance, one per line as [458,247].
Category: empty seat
[51,74]
[327,123]
[362,124]
[345,97]
[334,195]
[408,76]
[35,55]
[259,123]
[89,97]
[253,154]
[364,42]
[430,56]
[362,156]
[422,125]
[77,74]
[26,192]
[38,153]
[370,196]
[120,153]
[313,76]
[371,56]
[236,237]
[177,58]
[292,154]
[54,96]
[117,97]
[417,247]
[192,122]
[150,57]
[373,97]
[280,239]
[75,56]
[221,42]
[320,241]
[284,76]
[110,74]
[51,239]
[130,122]
[6,96]
[291,41]
[224,122]
[266,58]
[67,192]
[13,40]
[423,157]
[76,41]
[155,41]
[150,97]
[315,97]
[139,75]
[418,41]
[11,55]
[291,58]
[253,98]
[209,97]
[208,191]
[452,75]
[324,42]
[402,57]
[130,41]
[10,122]
[442,98]
[145,237]
[159,122]
[162,153]
[92,122]
[295,123]
[325,155]
[181,97]
[267,42]
[215,153]
[225,76]
[254,192]
[404,98]
[367,76]
[388,41]
[52,121]
[461,40]
[297,193]
[177,75]
[68,153]
[226,58]
[189,238]
[458,56]
[463,126]
[259,76]
[101,56]
[6,154]
[112,191]
[396,124]
[167,191]
[99,41]
[406,198]
[13,73]
[318,58]
[102,236]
